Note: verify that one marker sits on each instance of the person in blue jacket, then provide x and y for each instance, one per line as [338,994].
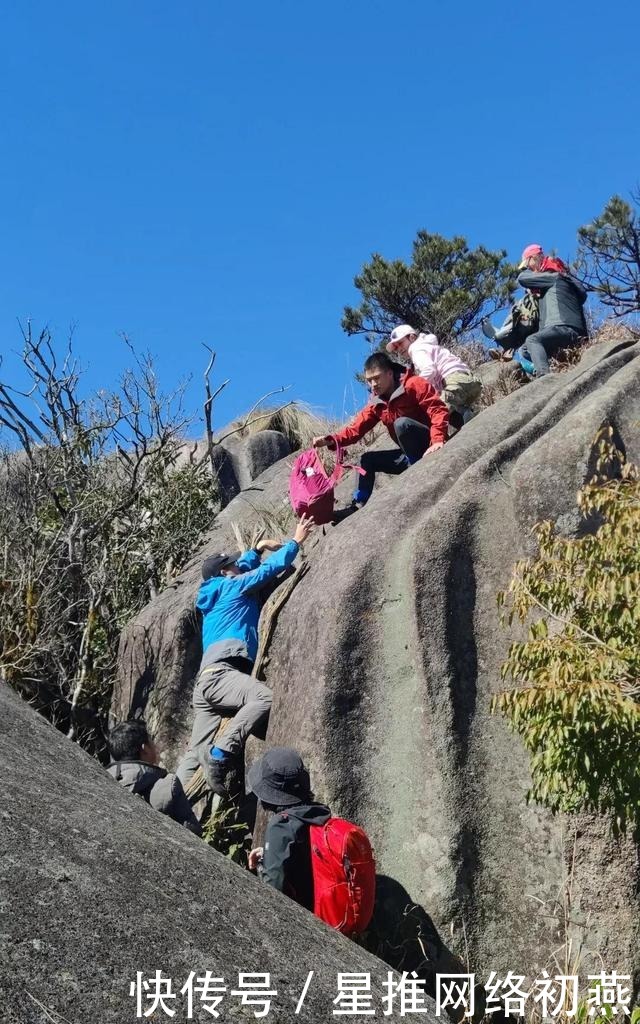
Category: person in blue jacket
[229,600]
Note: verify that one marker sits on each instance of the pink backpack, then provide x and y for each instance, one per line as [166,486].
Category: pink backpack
[311,490]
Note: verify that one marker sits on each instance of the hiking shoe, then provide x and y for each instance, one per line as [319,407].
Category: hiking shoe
[343,513]
[488,329]
[215,772]
[525,363]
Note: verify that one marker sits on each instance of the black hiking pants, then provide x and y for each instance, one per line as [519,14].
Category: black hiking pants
[414,439]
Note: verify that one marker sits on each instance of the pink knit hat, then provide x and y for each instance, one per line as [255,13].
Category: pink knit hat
[531,250]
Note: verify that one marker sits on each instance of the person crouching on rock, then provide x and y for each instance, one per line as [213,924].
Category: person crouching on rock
[415,417]
[229,601]
[134,764]
[458,387]
[561,300]
[281,783]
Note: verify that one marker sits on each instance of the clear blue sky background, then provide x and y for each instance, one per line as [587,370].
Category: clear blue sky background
[215,171]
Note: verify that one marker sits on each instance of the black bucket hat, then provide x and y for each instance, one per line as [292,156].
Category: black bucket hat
[280,778]
[214,565]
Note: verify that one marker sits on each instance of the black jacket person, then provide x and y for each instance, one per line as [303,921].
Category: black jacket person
[281,783]
[561,298]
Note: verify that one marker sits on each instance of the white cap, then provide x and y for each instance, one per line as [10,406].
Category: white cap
[397,334]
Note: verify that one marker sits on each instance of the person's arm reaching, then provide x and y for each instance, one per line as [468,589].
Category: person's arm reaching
[360,425]
[255,859]
[276,563]
[267,544]
[249,559]
[539,282]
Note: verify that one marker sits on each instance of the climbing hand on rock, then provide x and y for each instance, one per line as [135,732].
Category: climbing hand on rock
[434,447]
[303,529]
[321,442]
[255,857]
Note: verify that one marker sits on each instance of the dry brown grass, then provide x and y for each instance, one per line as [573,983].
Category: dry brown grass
[472,352]
[614,330]
[275,521]
[600,333]
[297,421]
[511,379]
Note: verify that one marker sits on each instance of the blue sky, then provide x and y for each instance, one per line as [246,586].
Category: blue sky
[214,171]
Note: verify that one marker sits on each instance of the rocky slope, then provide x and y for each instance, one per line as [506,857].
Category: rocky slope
[97,887]
[386,655]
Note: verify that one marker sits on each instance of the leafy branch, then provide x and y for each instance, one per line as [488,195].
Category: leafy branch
[578,672]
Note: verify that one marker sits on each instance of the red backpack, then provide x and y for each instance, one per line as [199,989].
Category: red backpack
[344,875]
[311,489]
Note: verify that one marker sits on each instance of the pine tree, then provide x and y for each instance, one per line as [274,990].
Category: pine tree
[610,254]
[446,289]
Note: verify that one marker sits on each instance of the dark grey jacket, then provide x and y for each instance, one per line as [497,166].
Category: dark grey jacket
[159,788]
[286,861]
[561,298]
[232,651]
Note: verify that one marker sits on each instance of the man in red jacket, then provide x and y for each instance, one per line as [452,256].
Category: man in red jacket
[412,412]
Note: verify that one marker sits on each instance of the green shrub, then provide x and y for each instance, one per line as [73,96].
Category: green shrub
[576,708]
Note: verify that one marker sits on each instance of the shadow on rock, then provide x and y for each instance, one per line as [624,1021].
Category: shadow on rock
[403,935]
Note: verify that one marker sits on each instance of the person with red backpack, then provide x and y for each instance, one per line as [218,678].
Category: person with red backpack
[323,863]
[415,416]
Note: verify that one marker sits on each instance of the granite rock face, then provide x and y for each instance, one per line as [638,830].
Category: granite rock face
[386,655]
[239,461]
[96,886]
[392,710]
[160,649]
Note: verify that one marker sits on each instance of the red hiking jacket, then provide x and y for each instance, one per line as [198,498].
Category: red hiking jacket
[414,397]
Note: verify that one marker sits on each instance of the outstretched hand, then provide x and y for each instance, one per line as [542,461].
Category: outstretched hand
[303,529]
[434,447]
[321,442]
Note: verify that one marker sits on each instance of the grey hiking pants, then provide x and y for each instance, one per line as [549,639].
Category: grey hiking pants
[222,690]
[547,342]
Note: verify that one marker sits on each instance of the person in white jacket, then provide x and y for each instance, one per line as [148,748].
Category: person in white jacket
[459,388]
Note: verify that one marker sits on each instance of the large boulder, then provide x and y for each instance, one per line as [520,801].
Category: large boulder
[385,659]
[387,653]
[237,460]
[97,887]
